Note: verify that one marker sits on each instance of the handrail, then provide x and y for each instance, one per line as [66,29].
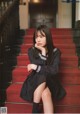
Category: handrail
[9,34]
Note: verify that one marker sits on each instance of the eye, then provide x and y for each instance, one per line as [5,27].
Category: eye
[36,37]
[41,36]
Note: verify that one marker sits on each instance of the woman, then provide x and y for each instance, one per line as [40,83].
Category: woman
[42,83]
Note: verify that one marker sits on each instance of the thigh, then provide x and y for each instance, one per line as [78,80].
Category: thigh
[40,87]
[46,92]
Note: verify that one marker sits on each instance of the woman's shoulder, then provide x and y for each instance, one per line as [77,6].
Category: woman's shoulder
[31,48]
[56,50]
[33,52]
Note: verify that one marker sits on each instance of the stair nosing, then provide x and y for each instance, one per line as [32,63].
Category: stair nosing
[25,67]
[18,102]
[40,103]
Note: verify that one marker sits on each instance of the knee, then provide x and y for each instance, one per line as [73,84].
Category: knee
[35,93]
[39,89]
[46,94]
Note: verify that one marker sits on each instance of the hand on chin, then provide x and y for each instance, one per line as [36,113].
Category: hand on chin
[38,46]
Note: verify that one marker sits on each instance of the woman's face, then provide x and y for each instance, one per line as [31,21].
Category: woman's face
[40,39]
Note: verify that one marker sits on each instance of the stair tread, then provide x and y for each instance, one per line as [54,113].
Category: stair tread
[62,69]
[63,56]
[21,108]
[70,45]
[53,36]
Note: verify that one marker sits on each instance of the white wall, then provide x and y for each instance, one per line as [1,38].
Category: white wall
[23,15]
[77,11]
[64,15]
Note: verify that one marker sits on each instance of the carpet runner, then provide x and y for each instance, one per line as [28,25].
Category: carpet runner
[69,75]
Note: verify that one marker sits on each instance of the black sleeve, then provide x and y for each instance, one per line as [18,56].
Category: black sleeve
[40,60]
[53,68]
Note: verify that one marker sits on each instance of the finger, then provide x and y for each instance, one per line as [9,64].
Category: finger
[28,70]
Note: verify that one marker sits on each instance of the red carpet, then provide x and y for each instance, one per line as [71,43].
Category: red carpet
[69,75]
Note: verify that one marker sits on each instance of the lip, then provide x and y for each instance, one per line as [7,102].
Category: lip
[39,44]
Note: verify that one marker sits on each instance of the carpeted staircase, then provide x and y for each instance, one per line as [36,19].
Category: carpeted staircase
[69,75]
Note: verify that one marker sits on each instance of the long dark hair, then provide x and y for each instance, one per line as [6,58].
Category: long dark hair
[49,45]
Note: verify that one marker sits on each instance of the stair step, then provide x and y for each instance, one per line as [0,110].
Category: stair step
[69,63]
[13,93]
[63,57]
[54,31]
[27,108]
[69,58]
[68,79]
[68,51]
[55,40]
[23,71]
[24,47]
[64,63]
[72,97]
[30,31]
[65,74]
[64,33]
[19,75]
[20,71]
[72,46]
[62,40]
[67,109]
[23,60]
[65,78]
[66,46]
[73,71]
[61,30]
[54,37]
[18,108]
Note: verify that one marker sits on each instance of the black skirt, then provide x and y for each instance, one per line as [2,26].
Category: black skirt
[34,80]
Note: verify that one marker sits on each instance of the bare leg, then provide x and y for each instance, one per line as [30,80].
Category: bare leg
[37,97]
[38,92]
[47,101]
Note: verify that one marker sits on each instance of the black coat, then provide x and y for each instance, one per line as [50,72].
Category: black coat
[44,73]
